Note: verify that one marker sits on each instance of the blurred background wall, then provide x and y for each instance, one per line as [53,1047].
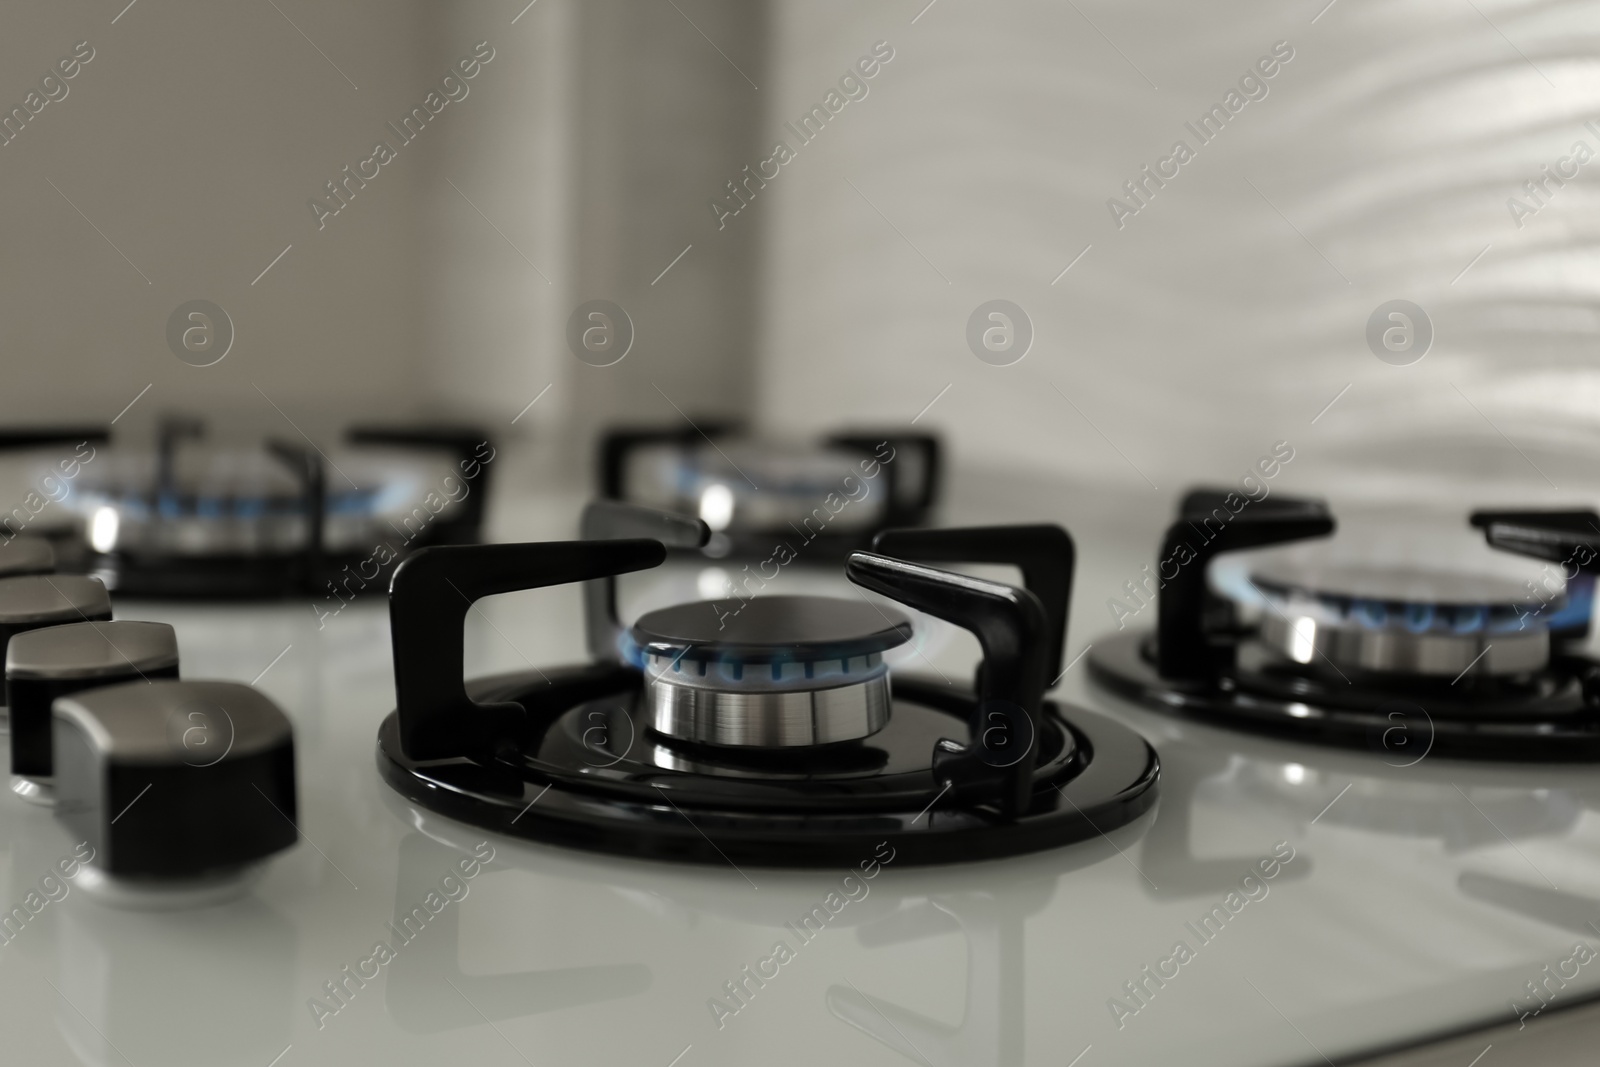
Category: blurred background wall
[177,167]
[181,162]
[1230,310]
[1224,315]
[613,123]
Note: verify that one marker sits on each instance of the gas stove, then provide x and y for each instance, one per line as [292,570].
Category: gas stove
[766,725]
[826,497]
[1332,900]
[1379,653]
[185,516]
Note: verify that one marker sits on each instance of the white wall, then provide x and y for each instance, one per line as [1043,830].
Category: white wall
[495,284]
[1211,325]
[576,166]
[192,141]
[599,136]
[1207,327]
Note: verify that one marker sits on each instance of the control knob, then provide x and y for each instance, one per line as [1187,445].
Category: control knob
[57,660]
[175,784]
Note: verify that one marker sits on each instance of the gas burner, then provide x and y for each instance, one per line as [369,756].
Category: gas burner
[769,731]
[827,497]
[782,672]
[261,521]
[1393,620]
[1376,656]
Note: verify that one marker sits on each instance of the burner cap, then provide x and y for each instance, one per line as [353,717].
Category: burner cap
[772,672]
[1405,586]
[771,629]
[1396,619]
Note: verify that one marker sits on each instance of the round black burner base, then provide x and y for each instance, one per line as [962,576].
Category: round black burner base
[1103,780]
[1393,724]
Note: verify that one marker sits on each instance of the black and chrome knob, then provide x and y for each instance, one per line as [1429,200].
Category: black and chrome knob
[29,602]
[174,782]
[26,555]
[57,660]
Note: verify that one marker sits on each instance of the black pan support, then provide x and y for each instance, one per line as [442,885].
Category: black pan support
[610,520]
[1570,538]
[905,508]
[19,438]
[1025,775]
[464,442]
[309,469]
[1005,621]
[429,597]
[1188,646]
[1011,628]
[1557,536]
[172,431]
[1044,554]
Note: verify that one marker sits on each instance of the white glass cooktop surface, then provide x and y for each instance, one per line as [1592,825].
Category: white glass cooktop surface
[1283,904]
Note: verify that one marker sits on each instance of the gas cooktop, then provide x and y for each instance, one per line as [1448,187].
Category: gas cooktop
[766,724]
[1285,901]
[187,516]
[767,499]
[1375,653]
